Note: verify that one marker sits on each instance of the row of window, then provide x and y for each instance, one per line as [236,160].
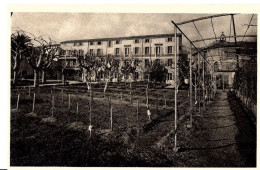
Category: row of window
[136,41]
[136,50]
[126,52]
[169,62]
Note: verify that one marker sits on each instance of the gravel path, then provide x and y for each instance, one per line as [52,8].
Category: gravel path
[212,142]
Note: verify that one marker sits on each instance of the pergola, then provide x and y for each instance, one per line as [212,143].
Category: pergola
[200,46]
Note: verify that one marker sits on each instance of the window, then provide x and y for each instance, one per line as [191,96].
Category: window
[71,63]
[147,40]
[169,76]
[169,49]
[136,75]
[99,52]
[109,44]
[63,52]
[91,43]
[78,44]
[117,51]
[126,51]
[137,41]
[170,39]
[216,66]
[101,75]
[136,50]
[158,50]
[117,41]
[67,63]
[170,62]
[91,51]
[147,50]
[99,43]
[146,62]
[81,52]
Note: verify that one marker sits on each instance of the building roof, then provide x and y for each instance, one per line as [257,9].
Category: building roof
[121,38]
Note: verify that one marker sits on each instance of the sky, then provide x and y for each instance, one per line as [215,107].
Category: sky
[73,26]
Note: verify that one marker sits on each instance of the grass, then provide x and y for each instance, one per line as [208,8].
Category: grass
[34,143]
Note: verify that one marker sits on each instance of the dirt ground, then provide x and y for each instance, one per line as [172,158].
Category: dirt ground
[134,140]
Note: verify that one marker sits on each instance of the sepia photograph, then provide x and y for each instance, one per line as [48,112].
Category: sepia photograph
[107,89]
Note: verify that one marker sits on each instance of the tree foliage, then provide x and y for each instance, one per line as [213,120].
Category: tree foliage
[158,72]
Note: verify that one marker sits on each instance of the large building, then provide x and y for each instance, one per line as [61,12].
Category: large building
[143,48]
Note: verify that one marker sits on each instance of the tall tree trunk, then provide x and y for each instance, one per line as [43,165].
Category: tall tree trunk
[84,76]
[14,77]
[43,77]
[36,78]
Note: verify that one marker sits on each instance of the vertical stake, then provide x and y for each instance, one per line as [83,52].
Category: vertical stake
[175,90]
[199,80]
[137,109]
[52,108]
[77,111]
[18,98]
[29,91]
[121,96]
[130,97]
[62,95]
[33,102]
[69,101]
[190,87]
[203,90]
[111,112]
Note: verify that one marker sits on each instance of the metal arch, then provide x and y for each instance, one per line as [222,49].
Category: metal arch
[190,41]
[203,18]
[248,27]
[201,38]
[238,36]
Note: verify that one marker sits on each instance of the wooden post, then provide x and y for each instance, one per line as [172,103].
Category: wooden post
[111,112]
[199,80]
[33,102]
[190,86]
[90,111]
[130,97]
[62,95]
[121,96]
[29,91]
[17,103]
[175,91]
[195,80]
[203,87]
[69,101]
[77,110]
[52,108]
[137,109]
[147,97]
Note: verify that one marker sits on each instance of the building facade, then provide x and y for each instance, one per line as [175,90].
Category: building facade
[144,48]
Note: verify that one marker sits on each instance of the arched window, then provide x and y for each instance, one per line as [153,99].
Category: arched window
[216,66]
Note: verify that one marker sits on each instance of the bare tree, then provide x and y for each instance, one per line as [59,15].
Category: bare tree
[20,43]
[111,66]
[41,56]
[88,64]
